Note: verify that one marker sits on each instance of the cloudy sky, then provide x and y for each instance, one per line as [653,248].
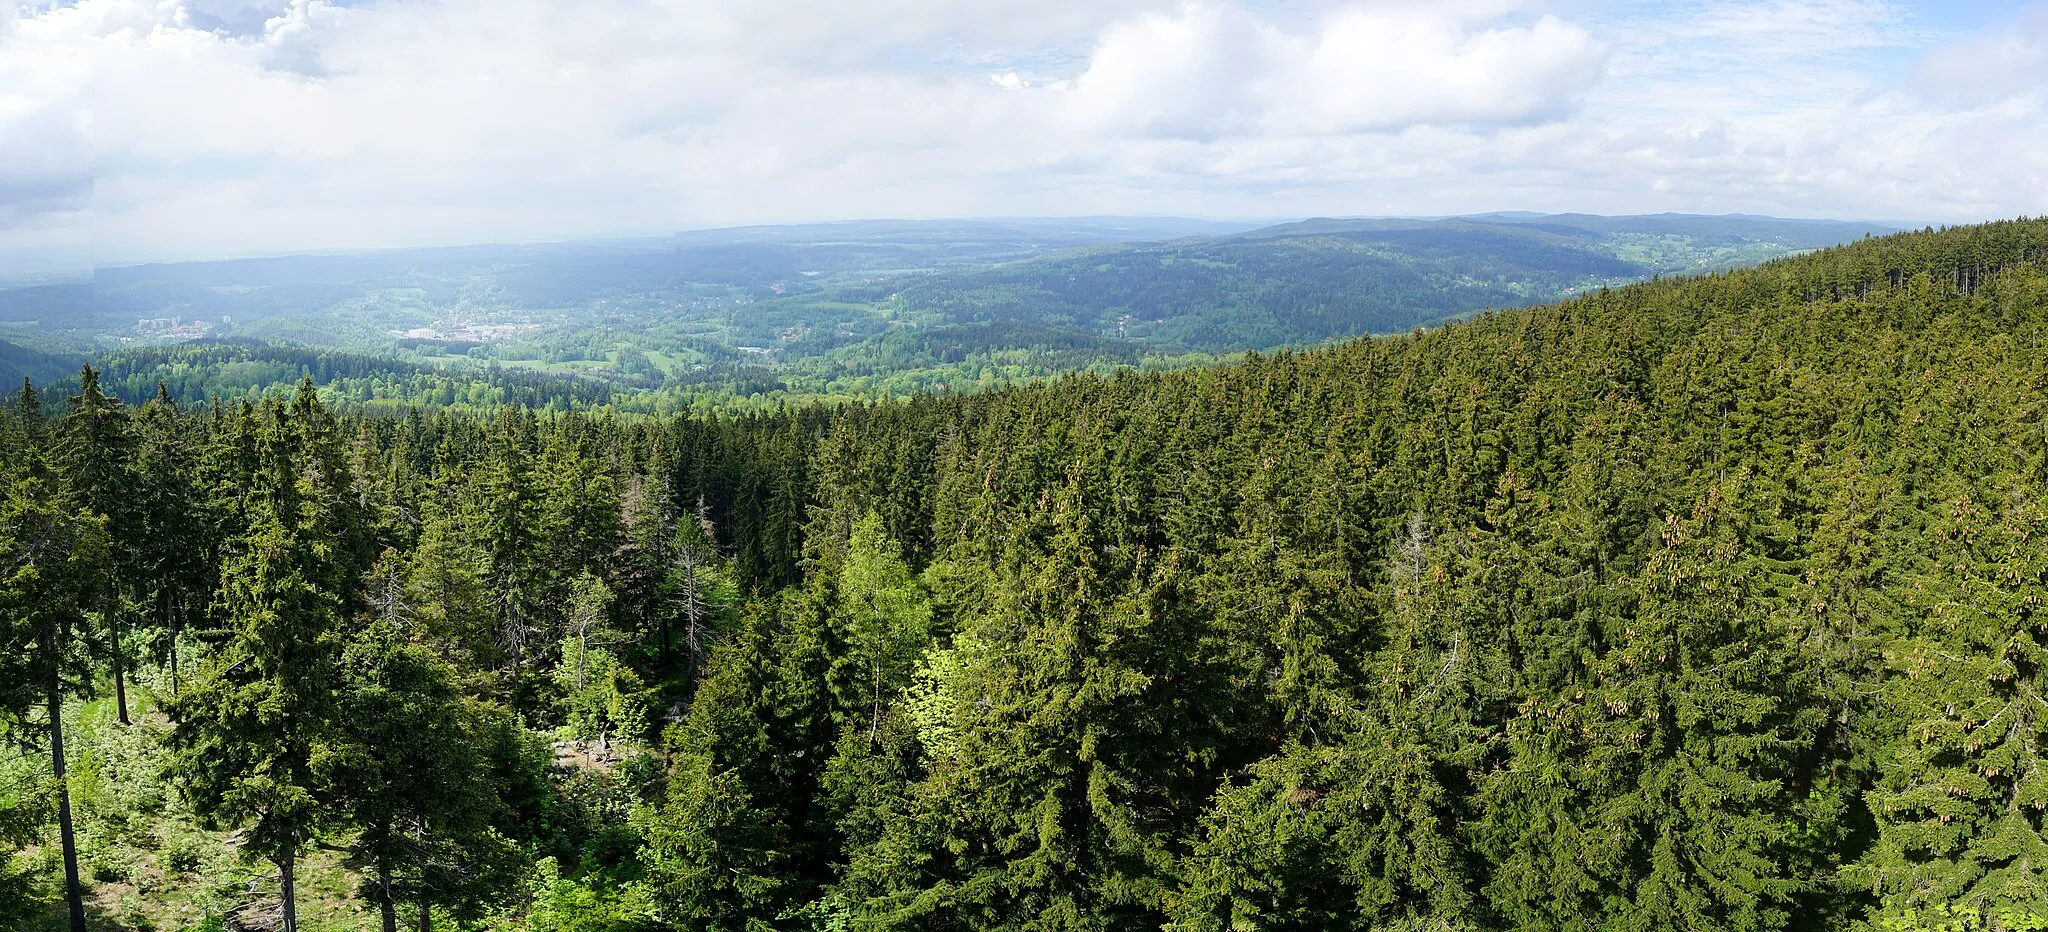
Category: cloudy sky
[182,128]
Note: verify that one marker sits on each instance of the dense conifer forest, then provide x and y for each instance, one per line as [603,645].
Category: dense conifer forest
[1711,603]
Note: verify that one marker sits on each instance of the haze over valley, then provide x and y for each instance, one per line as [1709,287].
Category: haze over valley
[862,309]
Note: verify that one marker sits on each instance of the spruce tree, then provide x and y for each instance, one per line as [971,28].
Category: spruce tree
[1057,773]
[406,768]
[501,513]
[1960,800]
[56,563]
[261,711]
[95,452]
[741,843]
[173,543]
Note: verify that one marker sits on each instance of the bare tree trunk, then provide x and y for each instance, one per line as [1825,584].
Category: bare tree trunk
[875,673]
[74,892]
[424,925]
[693,606]
[291,898]
[662,661]
[389,904]
[582,655]
[172,626]
[114,651]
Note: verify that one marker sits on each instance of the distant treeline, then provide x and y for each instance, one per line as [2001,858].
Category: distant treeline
[201,370]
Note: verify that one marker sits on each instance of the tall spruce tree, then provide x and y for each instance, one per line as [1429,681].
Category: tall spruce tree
[95,451]
[173,548]
[741,843]
[54,564]
[407,768]
[262,707]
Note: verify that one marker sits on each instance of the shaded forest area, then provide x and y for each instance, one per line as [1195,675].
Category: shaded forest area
[1712,603]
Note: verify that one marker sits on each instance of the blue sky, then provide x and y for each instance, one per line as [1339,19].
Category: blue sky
[146,129]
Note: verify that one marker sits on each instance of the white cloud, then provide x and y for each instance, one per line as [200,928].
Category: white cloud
[181,127]
[1214,71]
[2004,64]
[1374,70]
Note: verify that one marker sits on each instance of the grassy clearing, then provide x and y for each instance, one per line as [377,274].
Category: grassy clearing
[147,863]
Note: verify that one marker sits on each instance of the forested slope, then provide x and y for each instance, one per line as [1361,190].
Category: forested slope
[1303,283]
[1711,603]
[753,318]
[20,362]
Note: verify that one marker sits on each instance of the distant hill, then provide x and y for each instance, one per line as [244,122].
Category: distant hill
[752,261]
[885,306]
[203,370]
[1702,232]
[49,308]
[1314,280]
[18,362]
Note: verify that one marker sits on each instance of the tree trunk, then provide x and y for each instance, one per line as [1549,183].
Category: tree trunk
[875,671]
[390,905]
[693,615]
[291,899]
[582,654]
[74,892]
[114,651]
[424,925]
[171,625]
[662,661]
[174,663]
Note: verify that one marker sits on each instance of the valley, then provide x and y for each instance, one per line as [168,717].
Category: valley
[761,315]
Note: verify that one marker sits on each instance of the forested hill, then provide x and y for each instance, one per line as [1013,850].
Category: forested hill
[20,362]
[1708,604]
[1303,283]
[1272,289]
[757,317]
[205,370]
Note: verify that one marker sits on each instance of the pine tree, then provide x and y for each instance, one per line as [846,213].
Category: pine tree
[172,539]
[56,563]
[407,767]
[251,725]
[741,843]
[95,452]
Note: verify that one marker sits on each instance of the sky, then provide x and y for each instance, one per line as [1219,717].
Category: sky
[169,129]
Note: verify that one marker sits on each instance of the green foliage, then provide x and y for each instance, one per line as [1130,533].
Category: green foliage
[559,904]
[54,563]
[755,318]
[250,726]
[603,700]
[1711,603]
[739,840]
[408,764]
[1944,917]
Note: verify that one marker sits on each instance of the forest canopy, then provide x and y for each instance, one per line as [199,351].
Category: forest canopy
[1711,603]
